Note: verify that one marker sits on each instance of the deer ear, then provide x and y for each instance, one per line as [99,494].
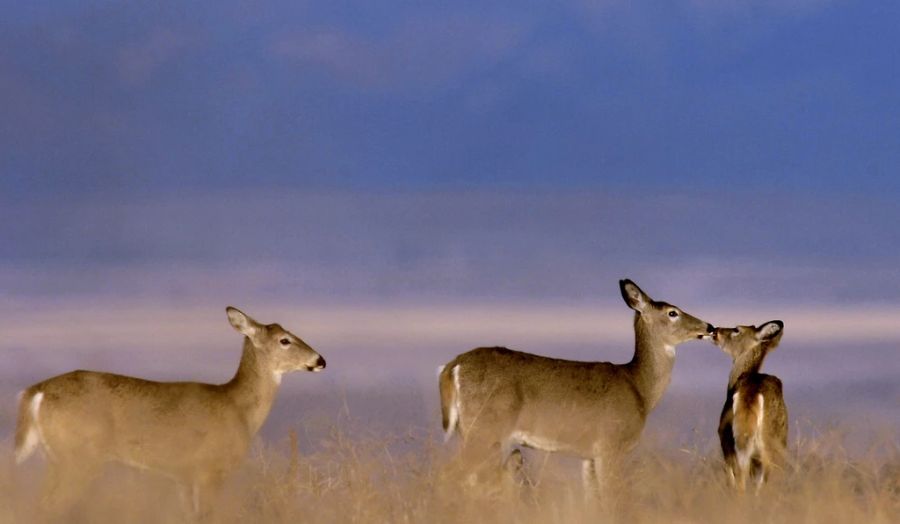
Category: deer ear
[241,322]
[634,297]
[771,330]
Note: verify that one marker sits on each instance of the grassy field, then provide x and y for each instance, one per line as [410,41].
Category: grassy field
[344,475]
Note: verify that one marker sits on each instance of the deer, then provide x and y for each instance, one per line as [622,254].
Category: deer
[495,398]
[753,426]
[192,432]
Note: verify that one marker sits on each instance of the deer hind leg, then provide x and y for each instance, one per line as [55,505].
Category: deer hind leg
[760,479]
[490,464]
[752,466]
[743,468]
[515,471]
[514,463]
[487,448]
[731,471]
[759,470]
[746,455]
[65,483]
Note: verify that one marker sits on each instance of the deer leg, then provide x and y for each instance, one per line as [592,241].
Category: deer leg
[65,483]
[490,465]
[745,466]
[760,480]
[514,462]
[514,471]
[589,476]
[592,477]
[741,478]
[758,472]
[203,496]
[487,447]
[731,470]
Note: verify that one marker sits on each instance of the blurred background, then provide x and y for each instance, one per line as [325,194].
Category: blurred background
[399,182]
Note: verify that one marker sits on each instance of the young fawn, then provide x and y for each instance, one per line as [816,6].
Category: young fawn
[753,427]
[192,432]
[496,398]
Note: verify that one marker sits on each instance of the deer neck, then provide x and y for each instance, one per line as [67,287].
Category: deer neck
[749,362]
[253,388]
[651,366]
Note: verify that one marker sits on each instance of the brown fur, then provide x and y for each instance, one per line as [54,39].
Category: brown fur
[192,432]
[751,393]
[594,410]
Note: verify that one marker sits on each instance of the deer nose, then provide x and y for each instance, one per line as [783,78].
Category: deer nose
[320,362]
[710,329]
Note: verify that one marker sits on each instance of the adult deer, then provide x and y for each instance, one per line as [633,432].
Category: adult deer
[193,432]
[496,398]
[753,427]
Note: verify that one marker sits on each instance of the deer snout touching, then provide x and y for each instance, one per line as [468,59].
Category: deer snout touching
[318,366]
[704,331]
[719,335]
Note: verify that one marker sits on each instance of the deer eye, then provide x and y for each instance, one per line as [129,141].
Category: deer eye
[285,342]
[673,314]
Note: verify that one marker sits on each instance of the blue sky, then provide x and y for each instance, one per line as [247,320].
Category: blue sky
[724,150]
[129,97]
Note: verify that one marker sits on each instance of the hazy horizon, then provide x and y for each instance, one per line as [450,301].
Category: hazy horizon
[390,285]
[400,182]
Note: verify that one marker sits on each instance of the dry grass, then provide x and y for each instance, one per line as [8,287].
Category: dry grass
[356,477]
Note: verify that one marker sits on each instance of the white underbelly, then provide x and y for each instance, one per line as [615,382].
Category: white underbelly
[540,442]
